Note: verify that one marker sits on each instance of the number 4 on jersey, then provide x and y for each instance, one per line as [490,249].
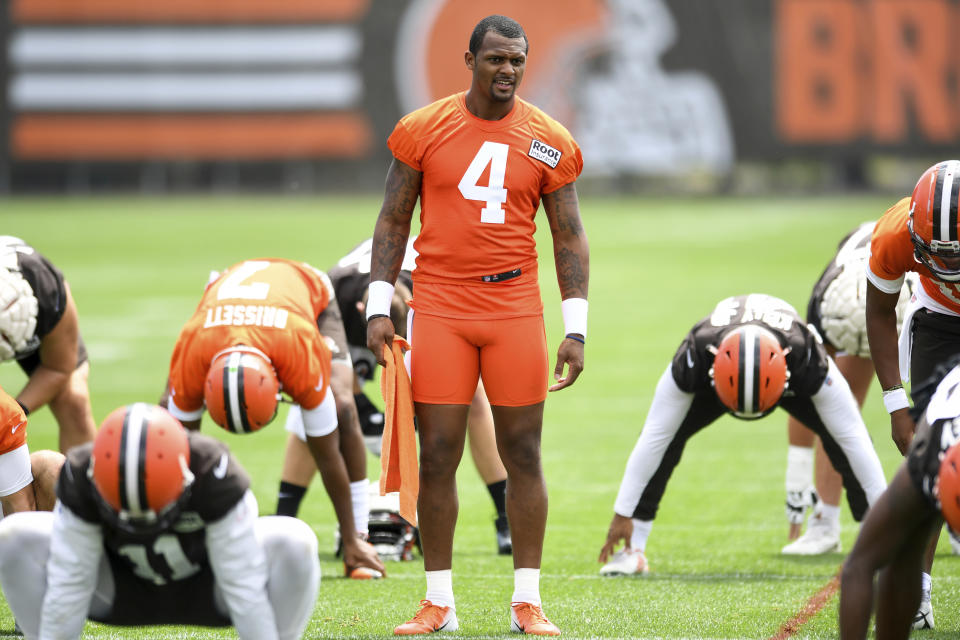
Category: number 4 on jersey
[494,194]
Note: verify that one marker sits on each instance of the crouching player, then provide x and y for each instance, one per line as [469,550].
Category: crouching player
[899,527]
[157,525]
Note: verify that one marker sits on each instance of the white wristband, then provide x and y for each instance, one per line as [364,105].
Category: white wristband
[380,298]
[895,400]
[574,316]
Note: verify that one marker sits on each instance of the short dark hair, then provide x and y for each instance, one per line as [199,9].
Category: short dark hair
[506,27]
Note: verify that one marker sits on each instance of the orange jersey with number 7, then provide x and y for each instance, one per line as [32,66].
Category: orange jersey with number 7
[481,188]
[271,304]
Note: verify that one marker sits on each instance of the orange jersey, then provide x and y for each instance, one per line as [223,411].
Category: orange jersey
[13,424]
[891,256]
[271,304]
[482,183]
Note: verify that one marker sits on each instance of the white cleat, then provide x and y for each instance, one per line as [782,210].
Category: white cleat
[924,617]
[627,562]
[819,539]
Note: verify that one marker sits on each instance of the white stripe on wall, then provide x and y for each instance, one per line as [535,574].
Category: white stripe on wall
[186,91]
[226,47]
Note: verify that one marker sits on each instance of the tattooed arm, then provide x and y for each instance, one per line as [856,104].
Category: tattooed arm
[572,256]
[390,242]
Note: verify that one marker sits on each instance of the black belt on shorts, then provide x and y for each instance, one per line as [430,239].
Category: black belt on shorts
[500,277]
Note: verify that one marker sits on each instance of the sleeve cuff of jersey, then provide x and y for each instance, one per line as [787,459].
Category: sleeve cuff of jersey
[321,420]
[887,286]
[183,415]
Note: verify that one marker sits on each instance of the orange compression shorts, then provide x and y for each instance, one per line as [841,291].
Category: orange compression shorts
[449,354]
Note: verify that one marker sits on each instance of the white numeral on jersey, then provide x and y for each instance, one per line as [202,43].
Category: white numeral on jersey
[494,195]
[167,546]
[232,287]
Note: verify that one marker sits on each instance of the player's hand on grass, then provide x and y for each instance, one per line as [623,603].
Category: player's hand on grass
[621,529]
[570,354]
[360,553]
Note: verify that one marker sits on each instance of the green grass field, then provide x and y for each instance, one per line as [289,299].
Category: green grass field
[137,268]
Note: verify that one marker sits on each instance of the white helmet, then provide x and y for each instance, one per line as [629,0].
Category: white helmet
[18,314]
[843,307]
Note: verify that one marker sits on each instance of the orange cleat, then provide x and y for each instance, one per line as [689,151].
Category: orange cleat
[528,618]
[429,619]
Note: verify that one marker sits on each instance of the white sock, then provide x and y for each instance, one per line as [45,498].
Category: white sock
[830,514]
[926,585]
[641,531]
[440,588]
[526,586]
[360,497]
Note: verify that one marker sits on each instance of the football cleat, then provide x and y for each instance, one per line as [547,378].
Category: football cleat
[749,371]
[241,392]
[529,619]
[626,562]
[820,538]
[428,619]
[504,541]
[924,617]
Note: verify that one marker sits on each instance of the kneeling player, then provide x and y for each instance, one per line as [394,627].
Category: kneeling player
[157,525]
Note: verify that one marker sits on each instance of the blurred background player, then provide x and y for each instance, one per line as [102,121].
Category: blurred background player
[907,517]
[752,354]
[39,329]
[26,480]
[480,162]
[350,278]
[189,503]
[919,234]
[264,326]
[836,311]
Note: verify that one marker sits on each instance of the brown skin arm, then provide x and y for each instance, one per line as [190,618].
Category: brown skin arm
[333,472]
[621,529]
[390,242]
[58,359]
[881,315]
[892,541]
[572,256]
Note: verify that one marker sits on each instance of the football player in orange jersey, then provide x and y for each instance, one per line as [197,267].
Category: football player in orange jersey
[263,326]
[919,234]
[480,162]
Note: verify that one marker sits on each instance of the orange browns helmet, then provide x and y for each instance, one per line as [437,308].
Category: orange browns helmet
[750,371]
[948,487]
[934,223]
[242,391]
[140,467]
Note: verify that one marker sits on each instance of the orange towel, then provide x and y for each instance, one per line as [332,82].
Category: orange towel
[399,469]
